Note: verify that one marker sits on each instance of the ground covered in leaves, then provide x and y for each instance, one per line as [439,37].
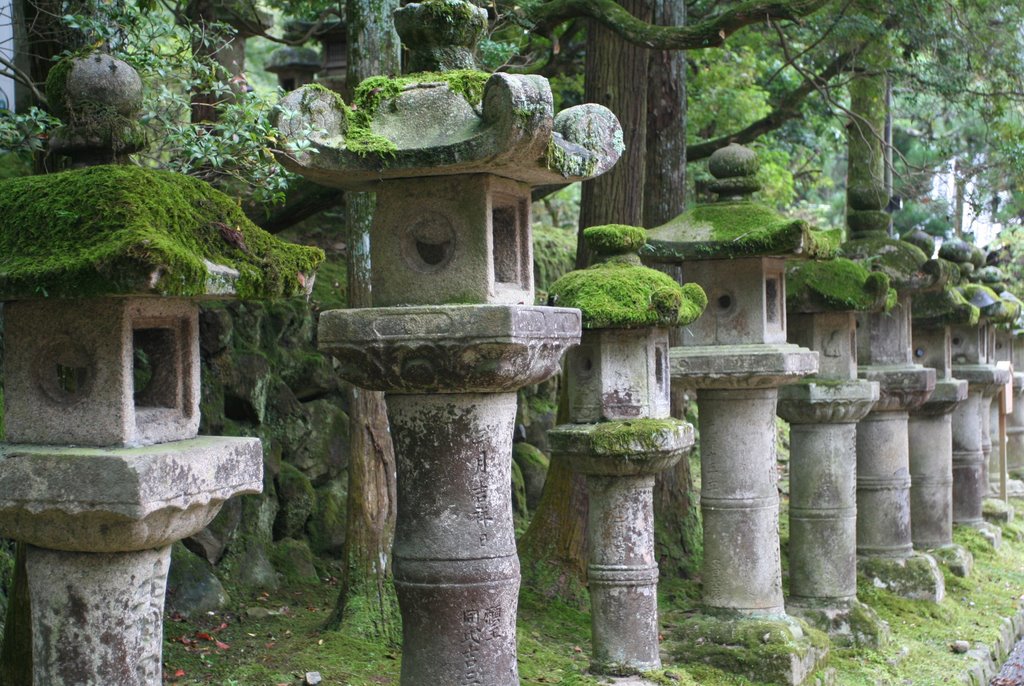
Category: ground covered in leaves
[277,638]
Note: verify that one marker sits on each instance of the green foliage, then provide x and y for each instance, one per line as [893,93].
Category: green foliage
[124,229]
[620,295]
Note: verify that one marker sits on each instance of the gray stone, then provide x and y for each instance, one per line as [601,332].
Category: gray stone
[192,587]
[915,576]
[957,559]
[121,499]
[313,678]
[211,541]
[96,618]
[971,434]
[68,373]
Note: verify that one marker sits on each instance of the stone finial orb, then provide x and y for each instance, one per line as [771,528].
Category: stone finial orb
[441,34]
[921,239]
[98,98]
[735,170]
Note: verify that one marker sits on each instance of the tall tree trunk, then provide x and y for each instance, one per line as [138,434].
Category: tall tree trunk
[676,515]
[553,549]
[373,49]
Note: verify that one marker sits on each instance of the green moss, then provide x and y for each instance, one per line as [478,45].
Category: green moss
[293,560]
[837,284]
[633,436]
[615,295]
[999,311]
[726,230]
[554,254]
[947,306]
[1,413]
[449,11]
[614,239]
[558,159]
[123,229]
[902,262]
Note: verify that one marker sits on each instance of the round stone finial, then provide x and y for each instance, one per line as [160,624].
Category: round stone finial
[735,170]
[441,34]
[615,239]
[98,98]
[921,239]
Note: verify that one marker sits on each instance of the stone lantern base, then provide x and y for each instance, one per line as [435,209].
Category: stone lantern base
[774,649]
[99,523]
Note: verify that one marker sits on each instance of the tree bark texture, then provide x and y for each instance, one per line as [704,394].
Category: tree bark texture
[616,77]
[16,660]
[372,498]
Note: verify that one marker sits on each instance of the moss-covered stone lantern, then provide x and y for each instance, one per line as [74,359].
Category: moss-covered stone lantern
[1010,347]
[972,355]
[823,410]
[736,356]
[884,542]
[293,66]
[101,272]
[453,333]
[930,430]
[621,434]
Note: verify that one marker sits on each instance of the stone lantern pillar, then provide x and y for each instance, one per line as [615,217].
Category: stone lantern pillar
[293,66]
[1010,346]
[823,411]
[972,357]
[884,542]
[736,356]
[102,270]
[621,434]
[931,427]
[453,333]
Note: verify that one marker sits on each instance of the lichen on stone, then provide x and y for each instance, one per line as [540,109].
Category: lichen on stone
[618,295]
[122,229]
[838,284]
[726,230]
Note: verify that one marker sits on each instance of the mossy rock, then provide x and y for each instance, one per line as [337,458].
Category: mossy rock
[297,501]
[977,257]
[246,564]
[192,587]
[614,239]
[622,295]
[520,510]
[122,229]
[956,250]
[326,528]
[294,561]
[725,230]
[865,224]
[837,285]
[534,466]
[915,577]
[989,276]
[945,307]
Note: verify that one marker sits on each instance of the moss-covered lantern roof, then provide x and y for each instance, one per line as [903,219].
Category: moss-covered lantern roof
[735,225]
[906,265]
[943,307]
[996,309]
[618,292]
[124,230]
[836,285]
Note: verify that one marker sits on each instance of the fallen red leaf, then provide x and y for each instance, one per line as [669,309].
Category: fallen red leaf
[179,672]
[204,636]
[222,645]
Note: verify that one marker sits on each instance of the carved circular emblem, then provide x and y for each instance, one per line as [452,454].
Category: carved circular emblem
[65,371]
[428,244]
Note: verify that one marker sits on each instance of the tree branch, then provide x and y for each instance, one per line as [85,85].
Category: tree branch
[708,33]
[787,107]
[22,78]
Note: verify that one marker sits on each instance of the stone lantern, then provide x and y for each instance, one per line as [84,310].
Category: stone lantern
[884,542]
[972,354]
[453,333]
[333,38]
[101,271]
[621,434]
[1010,346]
[736,356]
[294,66]
[823,411]
[930,430]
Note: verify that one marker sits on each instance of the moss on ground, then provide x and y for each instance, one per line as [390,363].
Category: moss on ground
[109,230]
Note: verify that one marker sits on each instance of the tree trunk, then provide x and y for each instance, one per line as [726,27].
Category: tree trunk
[553,549]
[676,515]
[616,77]
[366,576]
[16,661]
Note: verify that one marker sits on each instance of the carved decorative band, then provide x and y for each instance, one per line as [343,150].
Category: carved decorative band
[752,504]
[968,457]
[622,575]
[823,513]
[882,483]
